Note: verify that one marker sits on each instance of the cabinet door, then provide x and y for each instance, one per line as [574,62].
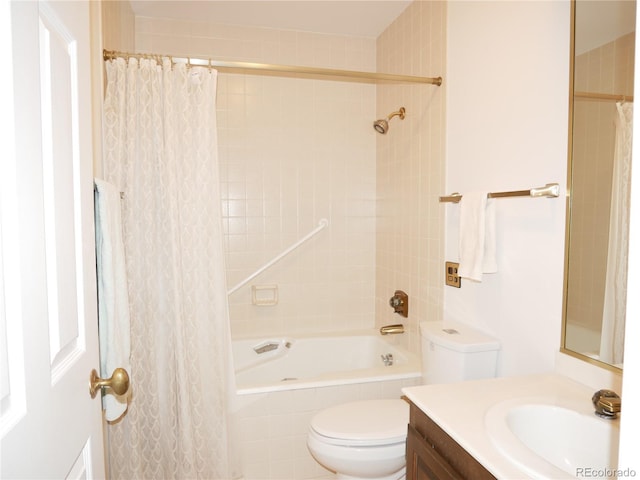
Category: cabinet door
[424,463]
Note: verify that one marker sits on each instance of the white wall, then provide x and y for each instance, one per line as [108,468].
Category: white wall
[507,122]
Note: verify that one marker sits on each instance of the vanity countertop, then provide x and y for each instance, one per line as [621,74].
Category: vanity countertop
[460,408]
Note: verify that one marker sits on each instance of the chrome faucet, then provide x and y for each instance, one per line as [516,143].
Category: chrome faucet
[387,359]
[390,329]
[607,403]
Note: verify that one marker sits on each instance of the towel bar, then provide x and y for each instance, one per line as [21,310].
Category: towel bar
[550,190]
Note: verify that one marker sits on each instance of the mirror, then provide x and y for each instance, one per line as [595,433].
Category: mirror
[603,50]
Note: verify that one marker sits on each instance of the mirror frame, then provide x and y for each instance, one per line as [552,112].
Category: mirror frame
[565,281]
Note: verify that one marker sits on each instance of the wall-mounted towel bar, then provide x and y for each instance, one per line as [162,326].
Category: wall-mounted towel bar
[550,190]
[322,224]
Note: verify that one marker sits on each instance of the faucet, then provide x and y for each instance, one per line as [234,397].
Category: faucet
[400,303]
[607,403]
[387,359]
[390,329]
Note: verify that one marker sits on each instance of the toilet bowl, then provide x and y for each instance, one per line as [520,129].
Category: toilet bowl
[361,440]
[367,439]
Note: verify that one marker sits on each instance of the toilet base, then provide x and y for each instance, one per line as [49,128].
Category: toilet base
[399,475]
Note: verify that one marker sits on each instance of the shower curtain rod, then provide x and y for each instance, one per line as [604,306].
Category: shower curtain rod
[604,96]
[250,67]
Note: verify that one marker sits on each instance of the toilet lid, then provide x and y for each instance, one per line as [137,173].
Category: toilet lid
[363,423]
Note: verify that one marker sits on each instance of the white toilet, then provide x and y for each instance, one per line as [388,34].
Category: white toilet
[366,439]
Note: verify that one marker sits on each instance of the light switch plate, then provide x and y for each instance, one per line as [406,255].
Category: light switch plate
[451,277]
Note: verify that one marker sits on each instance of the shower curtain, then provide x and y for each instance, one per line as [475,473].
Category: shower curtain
[160,150]
[615,297]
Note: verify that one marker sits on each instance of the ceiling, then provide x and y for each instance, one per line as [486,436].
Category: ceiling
[364,18]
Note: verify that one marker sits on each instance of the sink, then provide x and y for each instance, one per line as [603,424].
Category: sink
[549,439]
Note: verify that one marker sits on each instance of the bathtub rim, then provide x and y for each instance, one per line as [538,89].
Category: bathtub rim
[412,369]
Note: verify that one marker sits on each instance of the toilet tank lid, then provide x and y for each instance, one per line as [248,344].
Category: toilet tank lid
[457,336]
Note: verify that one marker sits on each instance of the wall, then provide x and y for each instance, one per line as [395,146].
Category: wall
[118,26]
[292,151]
[112,28]
[507,105]
[410,169]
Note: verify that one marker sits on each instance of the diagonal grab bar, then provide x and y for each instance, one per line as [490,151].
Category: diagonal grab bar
[322,224]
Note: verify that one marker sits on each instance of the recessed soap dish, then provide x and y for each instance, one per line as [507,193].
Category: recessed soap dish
[264,295]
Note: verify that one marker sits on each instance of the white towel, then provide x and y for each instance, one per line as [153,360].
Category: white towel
[113,297]
[477,245]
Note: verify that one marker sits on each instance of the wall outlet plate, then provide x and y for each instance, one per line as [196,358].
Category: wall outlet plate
[451,277]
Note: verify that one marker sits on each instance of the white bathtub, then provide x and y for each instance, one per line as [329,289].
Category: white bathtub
[290,363]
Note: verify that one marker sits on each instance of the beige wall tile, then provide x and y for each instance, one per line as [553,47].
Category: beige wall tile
[410,169]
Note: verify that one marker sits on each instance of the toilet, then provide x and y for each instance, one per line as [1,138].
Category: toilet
[367,439]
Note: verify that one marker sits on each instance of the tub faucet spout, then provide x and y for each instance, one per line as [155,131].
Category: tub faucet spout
[392,329]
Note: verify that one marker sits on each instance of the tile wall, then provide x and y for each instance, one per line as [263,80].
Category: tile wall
[292,152]
[411,169]
[118,26]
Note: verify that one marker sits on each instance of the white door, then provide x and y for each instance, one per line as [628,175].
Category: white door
[50,427]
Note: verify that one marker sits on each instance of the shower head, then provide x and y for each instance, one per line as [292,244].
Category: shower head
[382,125]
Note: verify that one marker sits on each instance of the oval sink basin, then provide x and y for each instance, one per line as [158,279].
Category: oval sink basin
[554,439]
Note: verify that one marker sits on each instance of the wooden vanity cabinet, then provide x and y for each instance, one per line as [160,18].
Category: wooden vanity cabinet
[432,454]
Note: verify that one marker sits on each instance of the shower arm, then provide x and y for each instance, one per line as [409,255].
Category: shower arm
[400,113]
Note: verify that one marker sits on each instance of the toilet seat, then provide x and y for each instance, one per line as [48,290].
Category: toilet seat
[363,423]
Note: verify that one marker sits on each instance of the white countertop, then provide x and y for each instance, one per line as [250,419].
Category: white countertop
[460,408]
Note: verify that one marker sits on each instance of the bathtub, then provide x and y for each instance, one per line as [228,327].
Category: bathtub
[274,364]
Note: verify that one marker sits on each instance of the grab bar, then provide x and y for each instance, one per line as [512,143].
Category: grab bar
[322,224]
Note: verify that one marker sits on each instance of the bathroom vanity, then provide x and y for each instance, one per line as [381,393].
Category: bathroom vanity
[432,454]
[531,426]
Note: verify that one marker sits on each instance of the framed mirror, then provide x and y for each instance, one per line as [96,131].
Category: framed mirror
[601,117]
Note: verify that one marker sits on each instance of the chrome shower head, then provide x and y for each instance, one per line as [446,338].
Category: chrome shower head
[382,125]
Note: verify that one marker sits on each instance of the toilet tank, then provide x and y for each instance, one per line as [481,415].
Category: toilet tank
[453,352]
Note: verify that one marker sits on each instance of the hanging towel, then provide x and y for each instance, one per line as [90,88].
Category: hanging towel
[113,297]
[477,245]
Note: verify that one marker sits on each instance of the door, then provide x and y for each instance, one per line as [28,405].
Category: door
[49,425]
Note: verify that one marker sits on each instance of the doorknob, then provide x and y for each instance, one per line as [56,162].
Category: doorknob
[119,382]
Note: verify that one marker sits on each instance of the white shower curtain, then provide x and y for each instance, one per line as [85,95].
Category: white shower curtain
[615,297]
[160,150]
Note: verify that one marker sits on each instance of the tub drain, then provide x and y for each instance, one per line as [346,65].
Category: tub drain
[287,379]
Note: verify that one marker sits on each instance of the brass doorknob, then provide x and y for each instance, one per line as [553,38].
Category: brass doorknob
[119,382]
